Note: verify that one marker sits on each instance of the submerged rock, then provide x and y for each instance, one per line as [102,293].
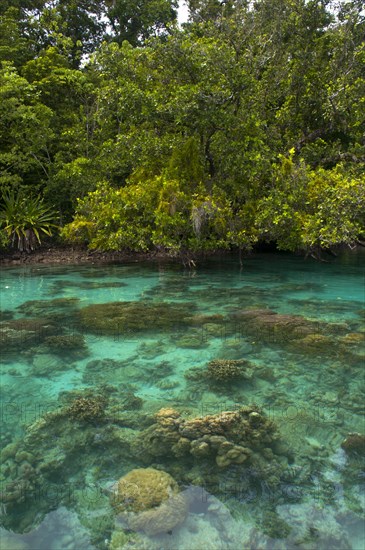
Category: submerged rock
[354,444]
[59,286]
[192,339]
[46,364]
[6,315]
[9,541]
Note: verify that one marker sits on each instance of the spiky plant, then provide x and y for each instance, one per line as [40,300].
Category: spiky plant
[24,219]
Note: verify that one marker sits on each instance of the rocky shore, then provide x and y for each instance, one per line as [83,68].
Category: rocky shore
[56,254]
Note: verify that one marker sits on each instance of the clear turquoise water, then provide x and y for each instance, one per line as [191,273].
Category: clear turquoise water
[314,392]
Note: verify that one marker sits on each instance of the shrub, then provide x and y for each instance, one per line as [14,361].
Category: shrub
[24,219]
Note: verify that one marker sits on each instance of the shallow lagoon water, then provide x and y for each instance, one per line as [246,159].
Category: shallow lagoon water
[56,483]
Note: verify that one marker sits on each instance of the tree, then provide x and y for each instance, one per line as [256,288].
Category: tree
[208,10]
[137,21]
[82,21]
[24,5]
[311,210]
[158,213]
[25,131]
[14,45]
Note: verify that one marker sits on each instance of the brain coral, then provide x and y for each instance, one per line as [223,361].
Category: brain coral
[148,500]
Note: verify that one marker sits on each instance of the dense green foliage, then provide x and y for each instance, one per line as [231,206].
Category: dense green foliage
[245,125]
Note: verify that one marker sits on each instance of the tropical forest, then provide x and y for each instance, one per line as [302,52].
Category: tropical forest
[122,129]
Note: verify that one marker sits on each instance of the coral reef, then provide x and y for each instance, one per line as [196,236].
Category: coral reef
[87,408]
[142,489]
[115,318]
[313,343]
[293,332]
[59,308]
[72,345]
[148,500]
[223,376]
[52,452]
[202,320]
[19,334]
[127,400]
[120,538]
[273,327]
[43,329]
[353,339]
[274,526]
[231,437]
[227,370]
[132,402]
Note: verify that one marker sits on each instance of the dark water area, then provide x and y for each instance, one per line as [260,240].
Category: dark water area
[245,385]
